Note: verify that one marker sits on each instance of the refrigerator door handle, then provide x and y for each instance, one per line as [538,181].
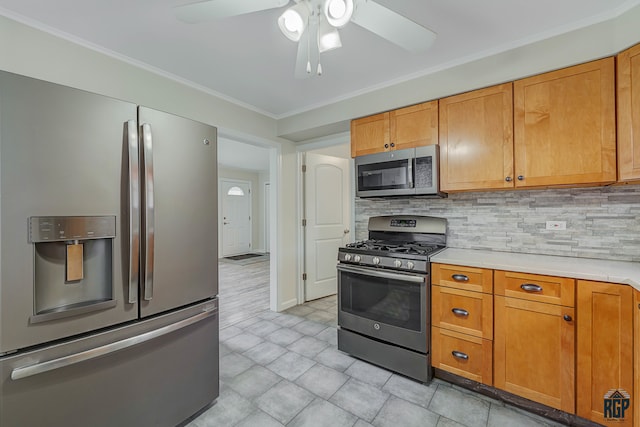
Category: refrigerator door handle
[134,210]
[72,359]
[149,218]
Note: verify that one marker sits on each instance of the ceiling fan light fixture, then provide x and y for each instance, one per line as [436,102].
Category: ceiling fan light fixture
[338,12]
[328,37]
[293,21]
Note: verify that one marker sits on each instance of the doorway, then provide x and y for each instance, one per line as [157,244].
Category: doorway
[327,217]
[236,217]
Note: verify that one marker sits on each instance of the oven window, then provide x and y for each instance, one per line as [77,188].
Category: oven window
[387,301]
[384,176]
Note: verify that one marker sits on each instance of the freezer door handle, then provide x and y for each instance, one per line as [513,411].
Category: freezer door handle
[134,210]
[149,218]
[72,359]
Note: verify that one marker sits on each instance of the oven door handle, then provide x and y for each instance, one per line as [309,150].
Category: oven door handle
[382,274]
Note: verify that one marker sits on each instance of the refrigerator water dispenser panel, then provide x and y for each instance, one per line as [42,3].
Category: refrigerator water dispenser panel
[73,265]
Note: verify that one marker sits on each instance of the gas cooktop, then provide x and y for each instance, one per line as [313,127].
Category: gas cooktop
[397,242]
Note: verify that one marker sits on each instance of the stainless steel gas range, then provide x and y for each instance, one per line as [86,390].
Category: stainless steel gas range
[384,293]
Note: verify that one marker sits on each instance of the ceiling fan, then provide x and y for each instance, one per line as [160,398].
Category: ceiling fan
[314,24]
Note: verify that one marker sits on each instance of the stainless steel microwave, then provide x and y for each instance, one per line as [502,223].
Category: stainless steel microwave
[409,172]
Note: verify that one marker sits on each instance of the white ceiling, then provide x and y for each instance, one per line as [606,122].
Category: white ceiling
[248,60]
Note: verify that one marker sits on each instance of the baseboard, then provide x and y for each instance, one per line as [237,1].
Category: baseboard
[287,304]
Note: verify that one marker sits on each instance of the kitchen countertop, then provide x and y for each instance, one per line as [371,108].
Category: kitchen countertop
[600,270]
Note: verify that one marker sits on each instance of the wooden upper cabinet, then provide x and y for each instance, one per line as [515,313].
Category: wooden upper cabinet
[605,350]
[564,126]
[414,126]
[629,114]
[370,134]
[476,140]
[407,127]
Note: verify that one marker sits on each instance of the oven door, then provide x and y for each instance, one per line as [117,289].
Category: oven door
[384,305]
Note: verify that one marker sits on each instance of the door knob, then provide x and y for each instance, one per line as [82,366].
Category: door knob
[346,231]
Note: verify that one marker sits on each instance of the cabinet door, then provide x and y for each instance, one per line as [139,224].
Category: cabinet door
[605,350]
[629,114]
[534,351]
[476,139]
[414,126]
[564,126]
[370,135]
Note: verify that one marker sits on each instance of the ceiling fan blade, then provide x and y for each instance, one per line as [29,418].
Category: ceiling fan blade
[218,9]
[392,26]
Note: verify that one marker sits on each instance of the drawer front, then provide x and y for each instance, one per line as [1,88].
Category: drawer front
[464,355]
[462,311]
[535,287]
[467,278]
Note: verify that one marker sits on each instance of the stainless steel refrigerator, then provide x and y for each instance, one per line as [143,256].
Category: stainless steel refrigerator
[108,260]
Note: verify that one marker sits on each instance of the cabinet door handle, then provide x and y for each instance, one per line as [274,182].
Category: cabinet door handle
[567,318]
[393,144]
[460,312]
[530,287]
[460,278]
[508,179]
[520,177]
[386,145]
[460,355]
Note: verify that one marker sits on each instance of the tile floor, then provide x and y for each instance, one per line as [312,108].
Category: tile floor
[284,369]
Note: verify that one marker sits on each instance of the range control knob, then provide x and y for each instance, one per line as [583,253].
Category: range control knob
[410,265]
[397,263]
[347,257]
[376,260]
[356,258]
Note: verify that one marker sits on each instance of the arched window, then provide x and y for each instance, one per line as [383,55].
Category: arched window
[235,191]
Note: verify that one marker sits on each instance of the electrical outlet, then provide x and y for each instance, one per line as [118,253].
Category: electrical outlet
[556,225]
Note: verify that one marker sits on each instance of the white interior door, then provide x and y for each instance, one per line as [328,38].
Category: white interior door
[327,211]
[236,217]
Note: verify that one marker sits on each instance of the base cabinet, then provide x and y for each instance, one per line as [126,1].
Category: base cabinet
[462,321]
[605,352]
[534,350]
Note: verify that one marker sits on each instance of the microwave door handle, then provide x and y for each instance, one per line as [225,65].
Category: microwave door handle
[410,172]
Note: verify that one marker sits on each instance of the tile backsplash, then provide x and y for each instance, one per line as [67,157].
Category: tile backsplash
[602,222]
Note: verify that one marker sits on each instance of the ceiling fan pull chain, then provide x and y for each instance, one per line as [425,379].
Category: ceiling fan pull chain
[308,52]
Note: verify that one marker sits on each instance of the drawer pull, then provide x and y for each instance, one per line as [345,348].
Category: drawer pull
[530,287]
[460,312]
[460,355]
[460,278]
[567,318]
